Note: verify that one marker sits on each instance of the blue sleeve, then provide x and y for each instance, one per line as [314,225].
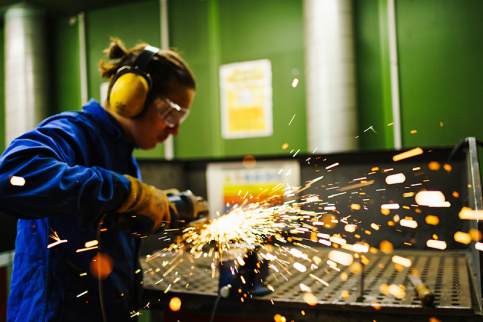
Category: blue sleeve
[59,181]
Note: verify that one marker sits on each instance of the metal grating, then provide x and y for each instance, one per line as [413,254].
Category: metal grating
[445,273]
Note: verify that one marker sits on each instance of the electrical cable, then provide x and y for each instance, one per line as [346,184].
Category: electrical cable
[224,292]
[99,279]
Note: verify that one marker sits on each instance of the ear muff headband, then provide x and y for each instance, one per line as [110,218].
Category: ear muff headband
[131,85]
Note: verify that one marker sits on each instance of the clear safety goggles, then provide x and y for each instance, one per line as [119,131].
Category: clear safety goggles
[170,112]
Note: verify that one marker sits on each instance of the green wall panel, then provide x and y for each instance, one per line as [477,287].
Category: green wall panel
[65,92]
[191,26]
[372,72]
[439,51]
[441,70]
[271,29]
[218,32]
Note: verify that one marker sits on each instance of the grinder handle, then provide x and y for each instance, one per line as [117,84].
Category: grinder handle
[188,207]
[425,294]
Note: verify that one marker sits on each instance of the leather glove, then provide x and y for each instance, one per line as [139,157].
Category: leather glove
[148,201]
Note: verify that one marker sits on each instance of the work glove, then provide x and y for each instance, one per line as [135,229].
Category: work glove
[150,202]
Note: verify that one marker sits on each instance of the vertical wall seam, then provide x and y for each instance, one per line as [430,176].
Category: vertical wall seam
[393,57]
[214,63]
[385,74]
[164,32]
[82,58]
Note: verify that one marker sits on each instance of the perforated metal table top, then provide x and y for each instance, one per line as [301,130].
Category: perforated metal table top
[445,273]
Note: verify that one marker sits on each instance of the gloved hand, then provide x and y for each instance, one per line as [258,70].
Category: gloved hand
[148,201]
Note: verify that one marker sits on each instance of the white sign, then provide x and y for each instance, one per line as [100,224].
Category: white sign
[246,99]
[232,183]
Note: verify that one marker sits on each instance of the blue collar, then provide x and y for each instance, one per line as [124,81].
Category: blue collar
[106,121]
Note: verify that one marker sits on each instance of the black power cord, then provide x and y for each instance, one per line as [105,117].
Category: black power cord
[224,292]
[99,279]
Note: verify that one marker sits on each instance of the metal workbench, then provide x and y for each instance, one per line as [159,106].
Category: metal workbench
[196,283]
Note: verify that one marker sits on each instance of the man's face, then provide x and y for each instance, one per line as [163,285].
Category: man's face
[149,128]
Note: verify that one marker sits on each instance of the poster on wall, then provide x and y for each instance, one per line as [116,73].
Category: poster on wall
[232,183]
[246,99]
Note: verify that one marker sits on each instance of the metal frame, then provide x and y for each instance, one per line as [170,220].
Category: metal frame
[475,202]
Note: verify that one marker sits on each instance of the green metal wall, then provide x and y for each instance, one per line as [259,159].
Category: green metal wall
[439,51]
[218,32]
[65,92]
[372,74]
[209,34]
[440,71]
[441,68]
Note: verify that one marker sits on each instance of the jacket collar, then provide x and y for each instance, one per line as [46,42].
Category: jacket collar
[106,121]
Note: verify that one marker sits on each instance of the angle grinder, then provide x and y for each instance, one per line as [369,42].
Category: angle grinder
[188,209]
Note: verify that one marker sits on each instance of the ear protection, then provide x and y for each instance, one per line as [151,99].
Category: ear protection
[131,85]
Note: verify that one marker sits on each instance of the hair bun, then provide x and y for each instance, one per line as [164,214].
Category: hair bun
[116,49]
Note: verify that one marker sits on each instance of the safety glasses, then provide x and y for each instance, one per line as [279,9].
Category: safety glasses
[170,112]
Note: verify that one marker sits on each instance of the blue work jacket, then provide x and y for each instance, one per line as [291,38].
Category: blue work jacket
[72,164]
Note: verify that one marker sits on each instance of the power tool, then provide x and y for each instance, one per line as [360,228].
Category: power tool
[189,208]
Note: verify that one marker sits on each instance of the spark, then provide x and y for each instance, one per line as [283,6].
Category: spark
[408,223]
[337,194]
[397,291]
[407,154]
[370,128]
[406,262]
[280,228]
[390,206]
[432,220]
[291,119]
[17,181]
[85,249]
[315,180]
[438,244]
[305,288]
[338,240]
[431,199]
[133,314]
[342,258]
[462,237]
[81,294]
[467,213]
[395,178]
[357,185]
[310,299]
[57,239]
[332,166]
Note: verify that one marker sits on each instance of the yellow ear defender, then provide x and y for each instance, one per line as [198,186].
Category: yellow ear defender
[131,85]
